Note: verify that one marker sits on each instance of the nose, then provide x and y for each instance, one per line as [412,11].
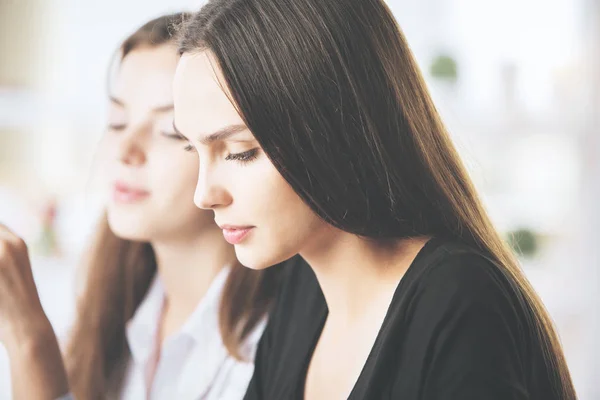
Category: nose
[210,192]
[132,146]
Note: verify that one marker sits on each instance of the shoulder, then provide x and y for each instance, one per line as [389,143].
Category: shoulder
[465,324]
[453,282]
[453,270]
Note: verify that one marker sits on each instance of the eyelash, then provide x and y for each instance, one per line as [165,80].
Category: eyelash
[244,157]
[117,127]
[176,136]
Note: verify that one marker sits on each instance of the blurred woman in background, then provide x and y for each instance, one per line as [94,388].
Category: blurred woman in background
[167,311]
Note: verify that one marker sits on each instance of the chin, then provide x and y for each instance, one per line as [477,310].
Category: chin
[258,260]
[131,235]
[128,228]
[252,259]
[252,263]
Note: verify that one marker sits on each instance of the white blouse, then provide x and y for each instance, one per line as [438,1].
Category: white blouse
[193,363]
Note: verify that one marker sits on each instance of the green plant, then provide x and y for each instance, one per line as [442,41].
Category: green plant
[524,242]
[444,66]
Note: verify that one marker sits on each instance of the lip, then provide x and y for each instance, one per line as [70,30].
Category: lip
[126,194]
[235,234]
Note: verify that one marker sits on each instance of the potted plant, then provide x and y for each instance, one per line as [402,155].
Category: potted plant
[524,242]
[444,68]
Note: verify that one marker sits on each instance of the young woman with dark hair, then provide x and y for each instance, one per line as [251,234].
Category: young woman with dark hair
[316,135]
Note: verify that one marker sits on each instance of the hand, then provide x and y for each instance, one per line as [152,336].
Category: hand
[22,317]
[37,369]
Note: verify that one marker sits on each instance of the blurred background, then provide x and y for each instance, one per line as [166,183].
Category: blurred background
[516,81]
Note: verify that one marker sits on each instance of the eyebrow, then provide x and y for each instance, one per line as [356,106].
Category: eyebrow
[163,108]
[217,136]
[116,101]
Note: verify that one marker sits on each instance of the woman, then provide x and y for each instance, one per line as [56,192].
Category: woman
[316,135]
[167,311]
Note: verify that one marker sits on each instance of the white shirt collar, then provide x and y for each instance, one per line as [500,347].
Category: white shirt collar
[142,329]
[202,321]
[194,362]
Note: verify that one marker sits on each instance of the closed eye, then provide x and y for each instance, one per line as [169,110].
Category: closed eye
[117,127]
[244,157]
[179,137]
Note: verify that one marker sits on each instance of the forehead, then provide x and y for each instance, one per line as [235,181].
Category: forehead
[202,105]
[146,75]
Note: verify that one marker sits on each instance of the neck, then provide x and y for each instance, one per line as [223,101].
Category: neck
[186,268]
[356,273]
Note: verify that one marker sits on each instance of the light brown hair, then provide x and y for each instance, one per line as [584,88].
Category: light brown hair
[119,273]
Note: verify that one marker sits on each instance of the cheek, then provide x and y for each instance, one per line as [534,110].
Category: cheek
[281,205]
[262,197]
[110,145]
[269,192]
[105,157]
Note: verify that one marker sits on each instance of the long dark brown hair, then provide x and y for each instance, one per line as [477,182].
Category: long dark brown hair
[331,91]
[119,273]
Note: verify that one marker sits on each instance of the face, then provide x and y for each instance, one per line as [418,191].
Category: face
[150,176]
[256,208]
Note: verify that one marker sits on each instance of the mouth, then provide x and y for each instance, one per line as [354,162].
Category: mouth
[126,194]
[235,234]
